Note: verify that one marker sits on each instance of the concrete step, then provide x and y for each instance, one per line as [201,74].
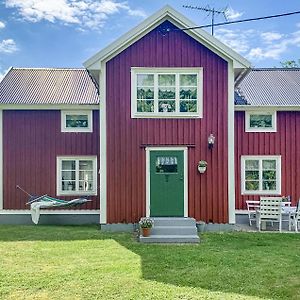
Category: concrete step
[170,239]
[174,221]
[174,230]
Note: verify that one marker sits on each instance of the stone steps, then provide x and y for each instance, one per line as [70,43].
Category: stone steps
[172,230]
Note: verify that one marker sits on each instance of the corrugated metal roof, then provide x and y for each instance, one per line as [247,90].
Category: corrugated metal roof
[48,86]
[273,87]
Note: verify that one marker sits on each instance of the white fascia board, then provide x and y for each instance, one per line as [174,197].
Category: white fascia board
[166,13]
[266,108]
[49,106]
[5,74]
[50,212]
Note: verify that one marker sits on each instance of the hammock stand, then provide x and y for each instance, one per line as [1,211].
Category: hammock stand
[45,201]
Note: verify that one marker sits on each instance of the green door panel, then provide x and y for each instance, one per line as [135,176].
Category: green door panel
[166,183]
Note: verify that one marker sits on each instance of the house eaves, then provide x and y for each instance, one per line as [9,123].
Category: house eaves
[166,13]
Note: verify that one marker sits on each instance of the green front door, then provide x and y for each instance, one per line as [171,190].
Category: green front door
[166,183]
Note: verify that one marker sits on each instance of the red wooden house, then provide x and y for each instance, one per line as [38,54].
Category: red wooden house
[165,103]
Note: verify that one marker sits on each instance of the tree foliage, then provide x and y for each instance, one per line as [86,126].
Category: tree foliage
[290,64]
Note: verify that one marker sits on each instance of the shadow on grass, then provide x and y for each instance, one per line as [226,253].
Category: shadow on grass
[252,264]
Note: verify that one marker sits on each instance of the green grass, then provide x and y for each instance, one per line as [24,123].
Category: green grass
[81,262]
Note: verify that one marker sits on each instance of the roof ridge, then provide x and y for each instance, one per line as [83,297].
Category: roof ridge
[275,69]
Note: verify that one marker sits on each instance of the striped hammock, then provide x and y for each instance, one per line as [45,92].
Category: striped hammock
[45,201]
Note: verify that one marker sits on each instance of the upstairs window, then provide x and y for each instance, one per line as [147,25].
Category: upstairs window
[76,121]
[260,121]
[261,175]
[161,93]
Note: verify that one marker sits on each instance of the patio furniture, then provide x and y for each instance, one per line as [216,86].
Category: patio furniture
[252,205]
[294,217]
[270,210]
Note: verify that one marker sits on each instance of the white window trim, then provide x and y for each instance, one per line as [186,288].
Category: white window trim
[261,191]
[59,191]
[261,129]
[64,128]
[198,71]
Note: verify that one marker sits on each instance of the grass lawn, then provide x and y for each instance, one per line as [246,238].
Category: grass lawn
[81,262]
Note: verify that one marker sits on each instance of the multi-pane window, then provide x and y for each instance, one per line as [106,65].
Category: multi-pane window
[76,175]
[260,121]
[76,121]
[261,175]
[166,92]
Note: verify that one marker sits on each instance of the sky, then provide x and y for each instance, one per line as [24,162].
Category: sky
[65,33]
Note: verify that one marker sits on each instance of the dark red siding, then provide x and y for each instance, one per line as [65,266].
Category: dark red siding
[32,140]
[283,142]
[126,165]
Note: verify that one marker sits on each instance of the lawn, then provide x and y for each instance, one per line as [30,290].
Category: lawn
[81,262]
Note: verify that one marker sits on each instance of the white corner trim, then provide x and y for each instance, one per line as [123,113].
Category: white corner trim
[231,162]
[88,113]
[260,129]
[50,212]
[185,174]
[1,159]
[103,155]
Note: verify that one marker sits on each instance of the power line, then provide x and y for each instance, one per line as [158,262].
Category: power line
[241,21]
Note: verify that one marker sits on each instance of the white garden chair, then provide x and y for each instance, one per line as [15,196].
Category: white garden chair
[270,210]
[252,205]
[294,218]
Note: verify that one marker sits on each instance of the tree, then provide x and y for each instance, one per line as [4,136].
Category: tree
[290,64]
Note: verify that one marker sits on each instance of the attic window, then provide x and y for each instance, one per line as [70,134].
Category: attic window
[260,121]
[166,92]
[76,121]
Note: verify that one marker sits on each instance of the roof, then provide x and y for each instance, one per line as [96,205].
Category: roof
[166,13]
[48,86]
[270,87]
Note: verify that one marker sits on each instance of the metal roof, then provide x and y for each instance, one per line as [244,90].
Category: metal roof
[48,86]
[270,87]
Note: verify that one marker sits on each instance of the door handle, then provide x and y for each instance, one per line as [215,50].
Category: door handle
[181,177]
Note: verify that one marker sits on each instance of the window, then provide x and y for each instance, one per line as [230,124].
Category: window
[166,92]
[261,174]
[76,121]
[77,175]
[260,121]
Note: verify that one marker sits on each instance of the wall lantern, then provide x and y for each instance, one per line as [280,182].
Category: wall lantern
[211,141]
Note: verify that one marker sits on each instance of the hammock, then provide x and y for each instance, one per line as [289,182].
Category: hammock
[45,201]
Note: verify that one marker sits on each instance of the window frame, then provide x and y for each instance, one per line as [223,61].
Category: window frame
[64,114]
[261,129]
[59,160]
[260,158]
[137,70]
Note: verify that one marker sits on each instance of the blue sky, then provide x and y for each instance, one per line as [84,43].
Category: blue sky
[64,33]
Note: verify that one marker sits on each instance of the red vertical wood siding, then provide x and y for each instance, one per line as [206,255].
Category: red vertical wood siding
[283,142]
[32,140]
[126,158]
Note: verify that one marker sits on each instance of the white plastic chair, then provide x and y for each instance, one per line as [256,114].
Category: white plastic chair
[252,205]
[294,218]
[270,210]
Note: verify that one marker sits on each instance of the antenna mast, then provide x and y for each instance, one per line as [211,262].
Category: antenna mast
[209,11]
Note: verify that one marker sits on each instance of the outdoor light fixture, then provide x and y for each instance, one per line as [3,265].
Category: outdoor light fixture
[211,141]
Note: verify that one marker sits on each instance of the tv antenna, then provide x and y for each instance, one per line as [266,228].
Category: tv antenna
[210,11]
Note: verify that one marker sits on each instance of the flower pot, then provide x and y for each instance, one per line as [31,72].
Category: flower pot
[146,231]
[201,169]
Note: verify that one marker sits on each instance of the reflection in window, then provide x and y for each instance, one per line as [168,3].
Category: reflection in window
[166,164]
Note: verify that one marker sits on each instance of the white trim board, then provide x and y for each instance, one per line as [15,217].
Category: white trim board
[50,212]
[48,107]
[231,159]
[185,175]
[179,20]
[1,159]
[267,108]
